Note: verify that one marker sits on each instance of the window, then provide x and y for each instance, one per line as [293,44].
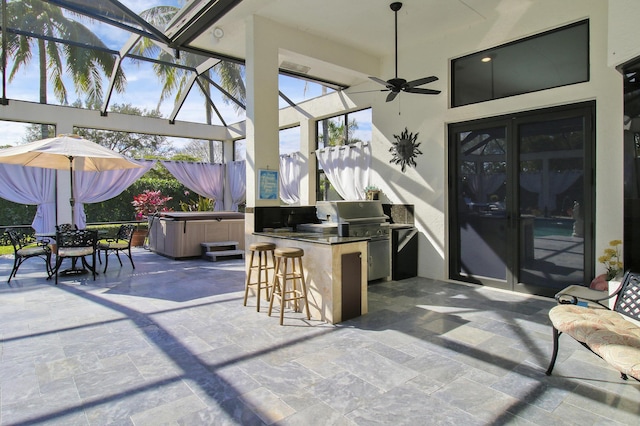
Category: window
[340,130]
[551,59]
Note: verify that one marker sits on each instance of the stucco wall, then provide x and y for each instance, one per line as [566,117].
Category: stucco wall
[624,31]
[425,186]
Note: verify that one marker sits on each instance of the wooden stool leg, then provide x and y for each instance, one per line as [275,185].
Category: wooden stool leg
[273,266]
[295,291]
[259,283]
[283,290]
[246,288]
[275,288]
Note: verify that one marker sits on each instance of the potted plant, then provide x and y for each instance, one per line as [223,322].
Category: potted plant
[613,265]
[140,234]
[372,192]
[611,259]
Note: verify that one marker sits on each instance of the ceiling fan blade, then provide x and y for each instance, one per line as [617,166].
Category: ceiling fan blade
[379,80]
[420,81]
[367,91]
[422,91]
[391,96]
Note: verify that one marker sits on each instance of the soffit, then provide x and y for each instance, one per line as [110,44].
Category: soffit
[363,25]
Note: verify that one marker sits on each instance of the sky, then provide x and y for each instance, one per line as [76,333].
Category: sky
[143,88]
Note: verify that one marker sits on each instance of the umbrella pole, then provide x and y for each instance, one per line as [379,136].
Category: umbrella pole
[72,201]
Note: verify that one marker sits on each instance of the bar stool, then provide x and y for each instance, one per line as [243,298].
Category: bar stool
[262,267]
[283,275]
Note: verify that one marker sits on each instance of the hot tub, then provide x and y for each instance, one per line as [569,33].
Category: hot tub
[179,234]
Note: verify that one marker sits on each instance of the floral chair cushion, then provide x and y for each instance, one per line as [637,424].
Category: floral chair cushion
[615,339]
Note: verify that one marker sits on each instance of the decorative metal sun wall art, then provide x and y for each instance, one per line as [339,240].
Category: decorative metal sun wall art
[405,149]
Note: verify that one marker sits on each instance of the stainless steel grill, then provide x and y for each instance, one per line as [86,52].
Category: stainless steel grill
[358,219]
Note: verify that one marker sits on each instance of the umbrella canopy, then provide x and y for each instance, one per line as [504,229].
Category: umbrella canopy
[66,151]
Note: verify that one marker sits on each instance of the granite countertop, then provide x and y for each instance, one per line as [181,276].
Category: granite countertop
[312,237]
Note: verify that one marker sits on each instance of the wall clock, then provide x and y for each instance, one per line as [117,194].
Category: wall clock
[405,149]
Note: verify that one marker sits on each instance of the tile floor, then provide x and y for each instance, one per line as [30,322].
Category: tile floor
[170,343]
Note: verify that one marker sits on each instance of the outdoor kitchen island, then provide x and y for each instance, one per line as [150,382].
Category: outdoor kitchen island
[335,270]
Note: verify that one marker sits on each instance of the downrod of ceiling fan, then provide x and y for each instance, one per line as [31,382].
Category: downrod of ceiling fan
[396,6]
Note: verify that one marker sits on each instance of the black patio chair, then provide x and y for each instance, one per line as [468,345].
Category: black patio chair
[77,244]
[25,248]
[121,243]
[63,227]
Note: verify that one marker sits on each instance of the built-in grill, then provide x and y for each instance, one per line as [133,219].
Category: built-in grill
[357,219]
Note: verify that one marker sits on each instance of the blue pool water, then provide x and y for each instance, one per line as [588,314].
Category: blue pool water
[544,227]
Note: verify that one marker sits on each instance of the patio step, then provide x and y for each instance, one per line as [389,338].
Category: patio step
[221,249]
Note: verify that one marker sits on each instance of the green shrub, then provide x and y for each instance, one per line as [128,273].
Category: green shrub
[120,207]
[117,209]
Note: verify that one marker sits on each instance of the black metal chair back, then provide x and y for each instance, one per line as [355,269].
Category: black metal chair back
[77,238]
[64,227]
[121,243]
[628,302]
[125,232]
[76,244]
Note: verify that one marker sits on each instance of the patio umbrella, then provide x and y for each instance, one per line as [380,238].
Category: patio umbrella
[66,151]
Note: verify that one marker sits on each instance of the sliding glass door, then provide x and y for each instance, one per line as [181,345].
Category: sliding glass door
[521,196]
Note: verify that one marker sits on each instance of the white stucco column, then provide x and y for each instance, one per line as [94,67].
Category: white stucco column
[261,70]
[309,165]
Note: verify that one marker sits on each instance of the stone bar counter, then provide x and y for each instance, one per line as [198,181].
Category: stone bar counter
[335,267]
[335,270]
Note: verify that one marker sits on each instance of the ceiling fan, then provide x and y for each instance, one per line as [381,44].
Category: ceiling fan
[396,85]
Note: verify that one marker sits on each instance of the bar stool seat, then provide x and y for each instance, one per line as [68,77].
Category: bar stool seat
[285,280]
[262,268]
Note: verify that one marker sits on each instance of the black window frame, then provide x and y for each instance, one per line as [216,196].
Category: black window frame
[494,51]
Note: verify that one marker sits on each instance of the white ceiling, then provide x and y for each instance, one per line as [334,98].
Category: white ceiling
[364,25]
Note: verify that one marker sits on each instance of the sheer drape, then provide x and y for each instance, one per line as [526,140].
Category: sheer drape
[202,178]
[290,178]
[558,182]
[347,168]
[483,186]
[237,175]
[94,187]
[31,185]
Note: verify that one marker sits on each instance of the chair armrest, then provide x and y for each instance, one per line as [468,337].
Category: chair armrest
[44,244]
[580,295]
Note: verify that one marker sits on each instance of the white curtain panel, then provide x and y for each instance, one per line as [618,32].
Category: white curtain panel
[347,168]
[290,178]
[202,178]
[558,182]
[31,185]
[237,175]
[95,187]
[482,186]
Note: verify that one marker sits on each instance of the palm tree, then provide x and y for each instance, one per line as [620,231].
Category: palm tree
[84,65]
[174,79]
[334,134]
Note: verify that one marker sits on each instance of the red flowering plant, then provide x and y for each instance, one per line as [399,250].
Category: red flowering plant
[150,202]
